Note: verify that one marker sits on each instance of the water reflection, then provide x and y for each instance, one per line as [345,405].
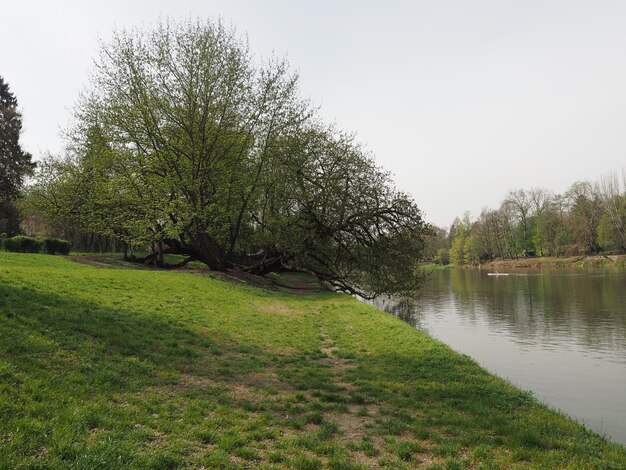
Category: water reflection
[560,334]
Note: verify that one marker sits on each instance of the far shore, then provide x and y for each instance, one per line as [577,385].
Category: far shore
[537,262]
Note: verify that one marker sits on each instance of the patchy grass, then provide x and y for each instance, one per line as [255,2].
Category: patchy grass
[135,368]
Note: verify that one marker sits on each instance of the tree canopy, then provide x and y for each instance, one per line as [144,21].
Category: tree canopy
[188,144]
[15,163]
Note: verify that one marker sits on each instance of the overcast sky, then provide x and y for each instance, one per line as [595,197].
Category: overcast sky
[460,100]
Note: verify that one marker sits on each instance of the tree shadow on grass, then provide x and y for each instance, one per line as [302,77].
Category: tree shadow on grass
[69,367]
[115,348]
[108,387]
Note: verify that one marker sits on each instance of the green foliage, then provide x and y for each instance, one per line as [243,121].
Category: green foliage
[442,257]
[128,368]
[15,164]
[53,246]
[610,229]
[436,242]
[584,216]
[586,219]
[185,143]
[471,254]
[22,244]
[456,251]
[459,232]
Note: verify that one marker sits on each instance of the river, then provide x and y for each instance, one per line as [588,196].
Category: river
[560,334]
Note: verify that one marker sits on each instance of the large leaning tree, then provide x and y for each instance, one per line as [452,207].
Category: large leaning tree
[187,144]
[15,163]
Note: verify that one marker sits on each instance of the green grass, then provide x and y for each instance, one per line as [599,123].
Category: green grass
[138,368]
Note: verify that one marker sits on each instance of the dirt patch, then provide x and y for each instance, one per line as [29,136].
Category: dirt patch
[267,379]
[352,426]
[243,393]
[330,351]
[239,462]
[328,348]
[359,422]
[278,308]
[202,381]
[369,462]
[370,411]
[332,359]
[157,439]
[337,364]
[257,387]
[282,351]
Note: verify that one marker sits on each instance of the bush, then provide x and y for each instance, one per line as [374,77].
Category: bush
[21,244]
[54,246]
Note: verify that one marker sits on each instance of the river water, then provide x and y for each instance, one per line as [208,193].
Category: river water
[560,334]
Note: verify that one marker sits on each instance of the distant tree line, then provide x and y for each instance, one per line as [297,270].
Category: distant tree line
[186,144]
[589,218]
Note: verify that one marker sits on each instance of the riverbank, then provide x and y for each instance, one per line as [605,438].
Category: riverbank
[138,368]
[539,262]
[595,261]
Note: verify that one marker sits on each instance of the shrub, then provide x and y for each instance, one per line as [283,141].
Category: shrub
[54,246]
[22,244]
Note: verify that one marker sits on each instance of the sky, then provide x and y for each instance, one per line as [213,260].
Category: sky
[461,101]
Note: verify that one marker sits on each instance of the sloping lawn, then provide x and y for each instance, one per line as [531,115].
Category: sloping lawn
[136,368]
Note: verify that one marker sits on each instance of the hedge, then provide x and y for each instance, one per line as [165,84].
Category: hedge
[23,244]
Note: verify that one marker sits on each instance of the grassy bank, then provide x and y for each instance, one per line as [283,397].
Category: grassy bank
[102,367]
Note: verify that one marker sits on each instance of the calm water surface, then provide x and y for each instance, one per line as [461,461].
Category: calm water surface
[560,334]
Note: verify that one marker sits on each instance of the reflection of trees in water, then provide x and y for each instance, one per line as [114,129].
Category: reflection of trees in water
[552,307]
[590,308]
[406,309]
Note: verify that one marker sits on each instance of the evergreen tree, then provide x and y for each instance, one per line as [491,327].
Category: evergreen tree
[15,164]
